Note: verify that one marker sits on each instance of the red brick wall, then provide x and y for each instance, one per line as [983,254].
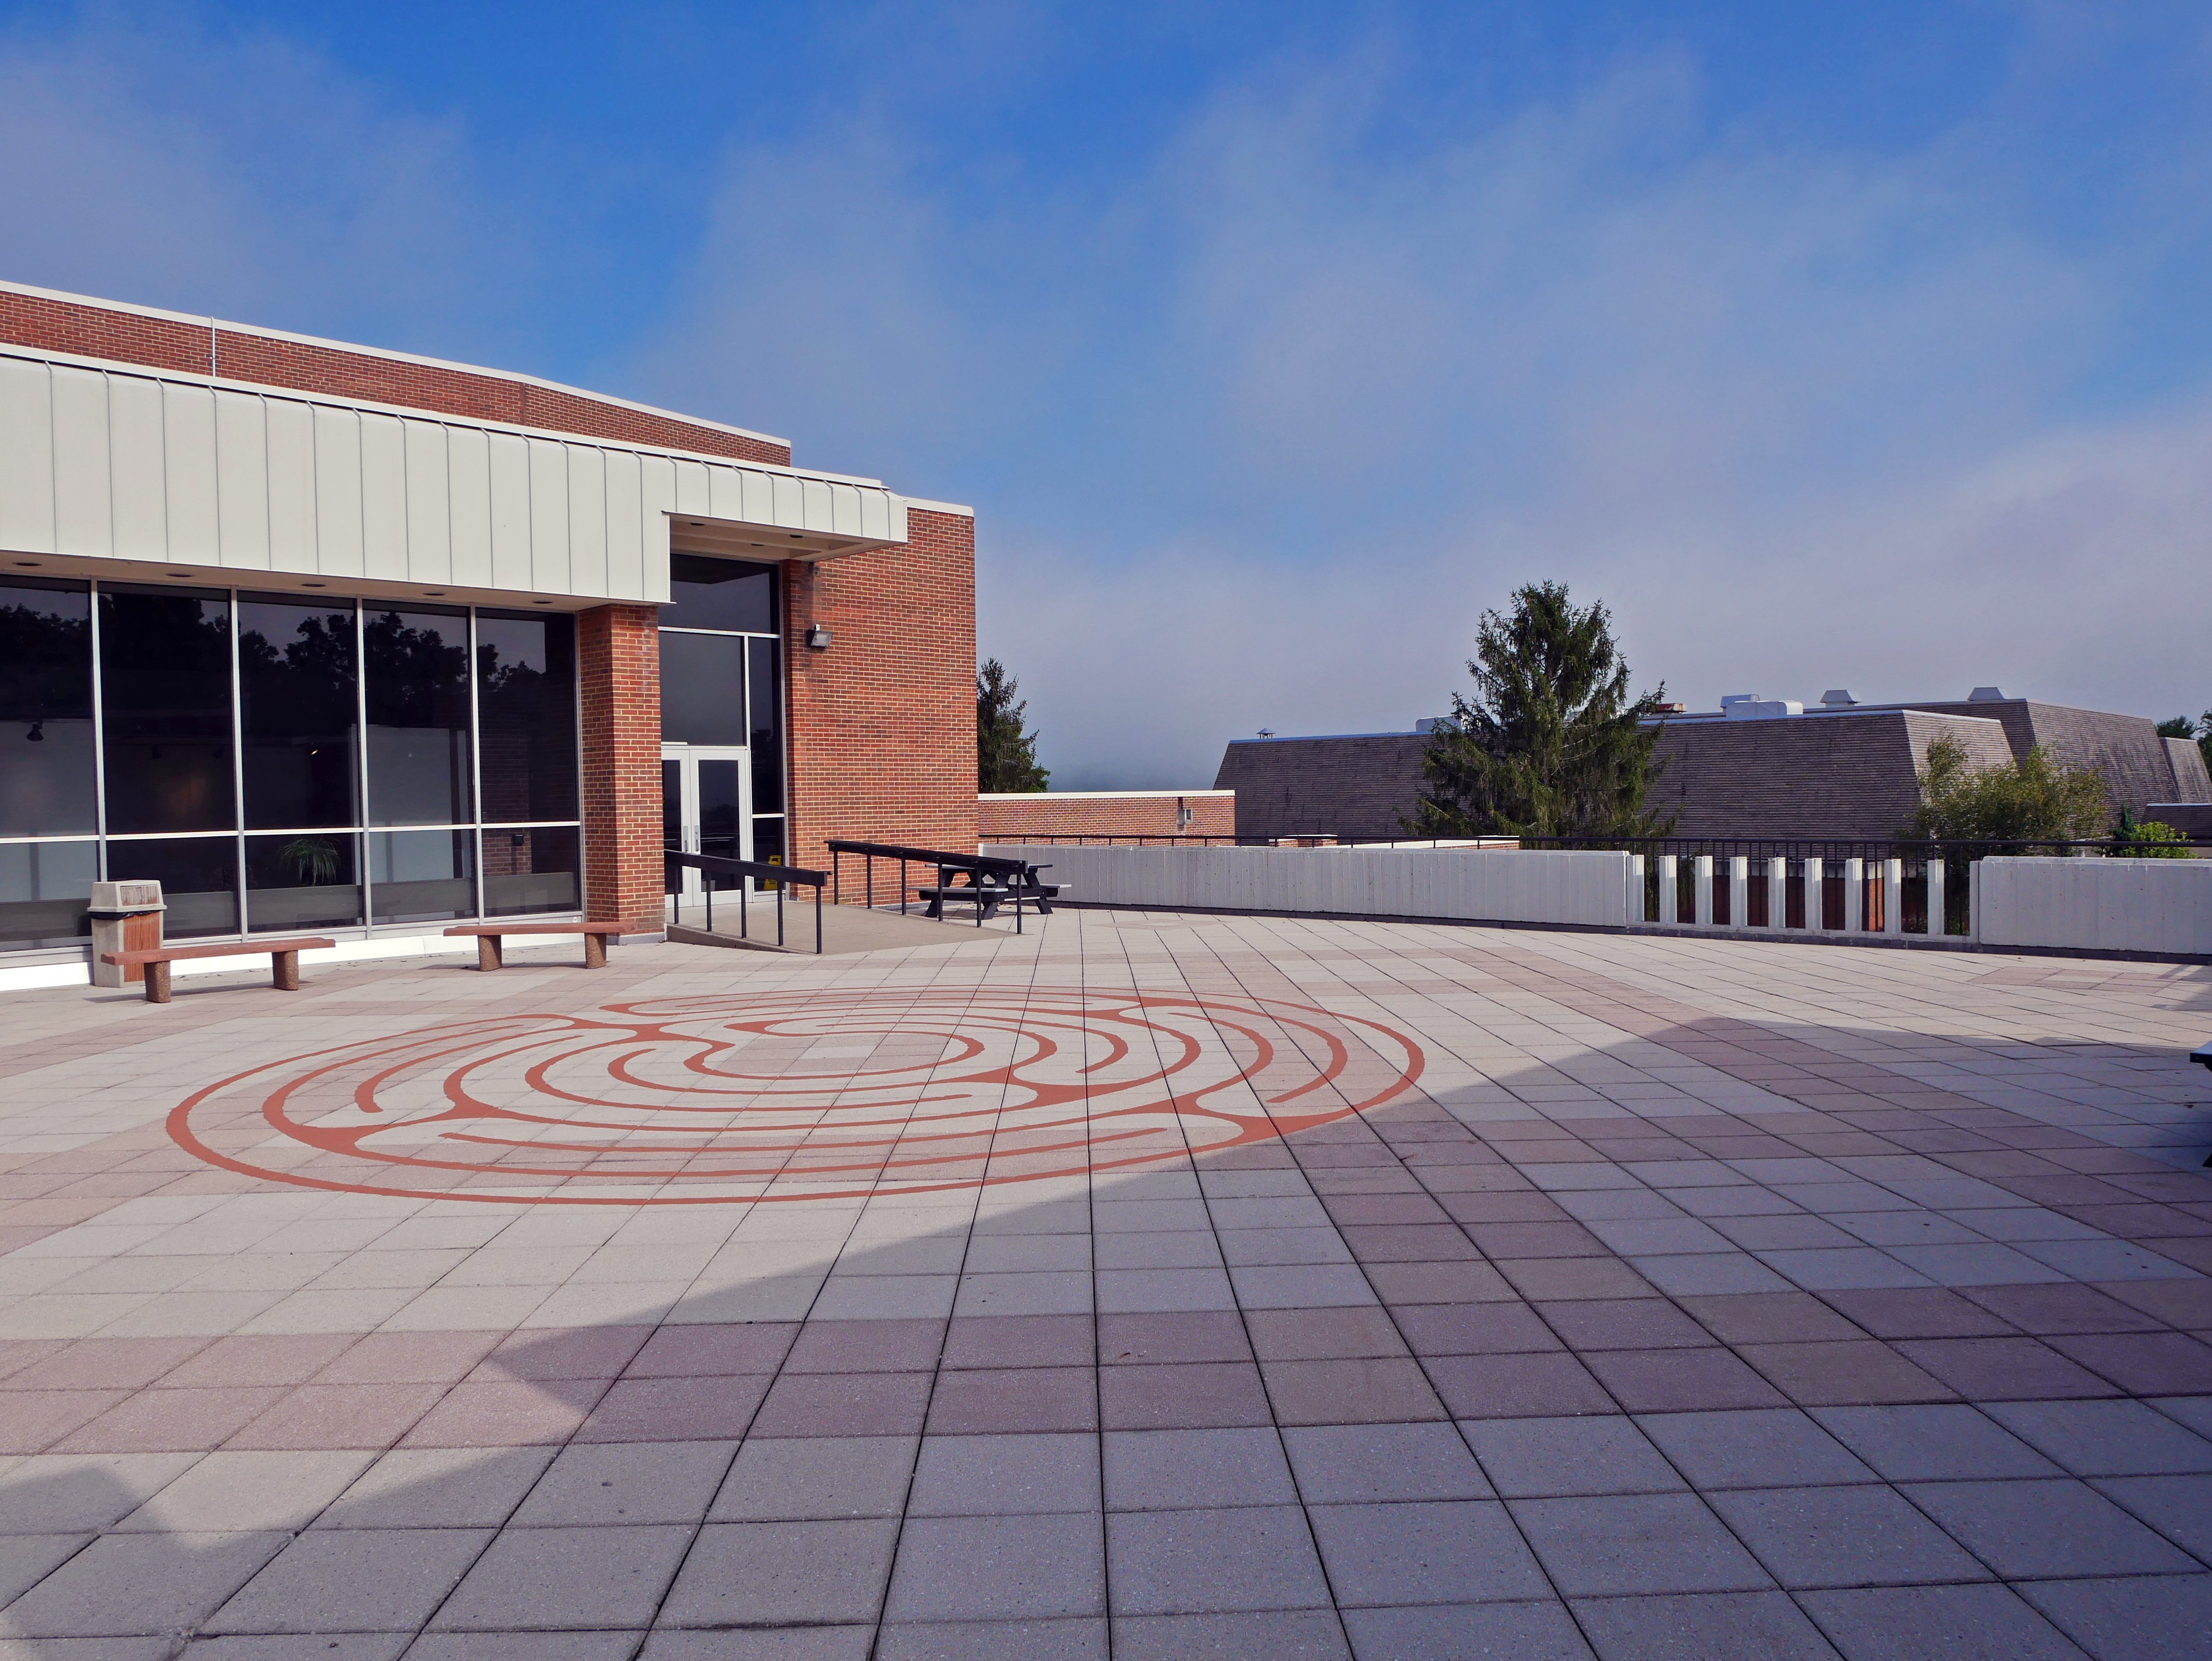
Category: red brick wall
[882,738]
[240,355]
[1015,819]
[618,669]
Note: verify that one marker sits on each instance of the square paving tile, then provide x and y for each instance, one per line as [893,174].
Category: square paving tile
[1435,1551]
[1478,1631]
[785,1573]
[1932,1443]
[1165,1469]
[2048,1529]
[1190,1562]
[2147,1618]
[354,1580]
[1007,1476]
[1753,1447]
[2106,1439]
[1970,1623]
[817,1478]
[1526,1458]
[1339,1465]
[1855,1536]
[1714,1626]
[1620,1543]
[999,1568]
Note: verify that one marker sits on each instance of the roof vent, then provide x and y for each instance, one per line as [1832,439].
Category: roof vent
[1741,708]
[1986,695]
[1735,698]
[1837,697]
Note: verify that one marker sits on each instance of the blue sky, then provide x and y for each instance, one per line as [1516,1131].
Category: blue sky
[1857,346]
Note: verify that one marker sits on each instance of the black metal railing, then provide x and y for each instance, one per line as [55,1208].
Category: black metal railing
[776,877]
[1012,879]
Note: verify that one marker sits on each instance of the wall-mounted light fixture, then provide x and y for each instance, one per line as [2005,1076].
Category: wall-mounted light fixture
[818,637]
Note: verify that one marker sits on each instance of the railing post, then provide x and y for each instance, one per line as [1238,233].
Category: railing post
[1670,889]
[1702,876]
[1854,874]
[1776,879]
[1636,888]
[817,919]
[1739,881]
[1892,897]
[1935,918]
[1816,907]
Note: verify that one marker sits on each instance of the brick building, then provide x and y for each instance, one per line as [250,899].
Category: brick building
[1836,770]
[322,635]
[1108,815]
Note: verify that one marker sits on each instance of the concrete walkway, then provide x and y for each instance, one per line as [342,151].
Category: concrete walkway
[1144,1286]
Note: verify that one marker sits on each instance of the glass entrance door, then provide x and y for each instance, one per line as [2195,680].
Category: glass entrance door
[706,807]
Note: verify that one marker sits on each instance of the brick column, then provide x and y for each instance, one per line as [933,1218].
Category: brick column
[618,672]
[881,744]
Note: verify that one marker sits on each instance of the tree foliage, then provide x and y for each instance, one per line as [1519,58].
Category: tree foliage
[2033,799]
[1551,746]
[2177,726]
[2151,839]
[1006,754]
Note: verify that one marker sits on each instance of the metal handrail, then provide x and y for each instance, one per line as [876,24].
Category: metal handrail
[760,871]
[1015,874]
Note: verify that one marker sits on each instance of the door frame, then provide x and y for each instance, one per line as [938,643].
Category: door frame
[687,757]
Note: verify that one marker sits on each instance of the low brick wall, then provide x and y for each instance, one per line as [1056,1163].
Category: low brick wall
[1105,813]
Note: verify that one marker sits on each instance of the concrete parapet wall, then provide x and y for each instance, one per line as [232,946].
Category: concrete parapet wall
[2162,906]
[1587,890]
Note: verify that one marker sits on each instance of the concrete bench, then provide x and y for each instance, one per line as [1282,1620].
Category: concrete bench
[283,955]
[490,955]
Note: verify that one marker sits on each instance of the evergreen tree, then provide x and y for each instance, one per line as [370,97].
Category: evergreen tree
[1551,746]
[1005,755]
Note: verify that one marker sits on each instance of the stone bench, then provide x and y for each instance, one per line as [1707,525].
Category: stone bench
[490,955]
[283,955]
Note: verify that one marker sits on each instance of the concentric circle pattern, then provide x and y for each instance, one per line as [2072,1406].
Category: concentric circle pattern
[796,1094]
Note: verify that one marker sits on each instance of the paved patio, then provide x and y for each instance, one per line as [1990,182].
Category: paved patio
[1146,1286]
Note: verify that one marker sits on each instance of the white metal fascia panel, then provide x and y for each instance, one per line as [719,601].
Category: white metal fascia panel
[136,477]
[588,521]
[897,527]
[875,515]
[659,476]
[292,539]
[790,507]
[468,479]
[26,457]
[691,487]
[241,480]
[549,517]
[814,504]
[383,498]
[726,493]
[338,492]
[188,476]
[759,507]
[625,526]
[845,509]
[510,511]
[429,503]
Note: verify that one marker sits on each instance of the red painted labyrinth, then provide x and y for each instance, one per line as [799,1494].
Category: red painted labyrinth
[794,1095]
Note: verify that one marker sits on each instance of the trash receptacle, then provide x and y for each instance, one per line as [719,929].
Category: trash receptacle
[127,916]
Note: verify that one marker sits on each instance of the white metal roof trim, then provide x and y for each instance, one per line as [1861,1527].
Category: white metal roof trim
[98,461]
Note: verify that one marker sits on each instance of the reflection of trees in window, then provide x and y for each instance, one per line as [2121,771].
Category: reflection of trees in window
[45,711]
[165,690]
[46,657]
[297,693]
[417,694]
[526,702]
[417,671]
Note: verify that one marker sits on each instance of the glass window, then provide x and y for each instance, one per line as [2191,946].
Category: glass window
[534,870]
[422,876]
[46,709]
[165,693]
[702,689]
[418,717]
[298,702]
[763,661]
[198,876]
[768,845]
[45,887]
[705,593]
[294,884]
[527,711]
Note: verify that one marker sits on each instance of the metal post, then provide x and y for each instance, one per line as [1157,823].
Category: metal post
[778,912]
[837,880]
[817,919]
